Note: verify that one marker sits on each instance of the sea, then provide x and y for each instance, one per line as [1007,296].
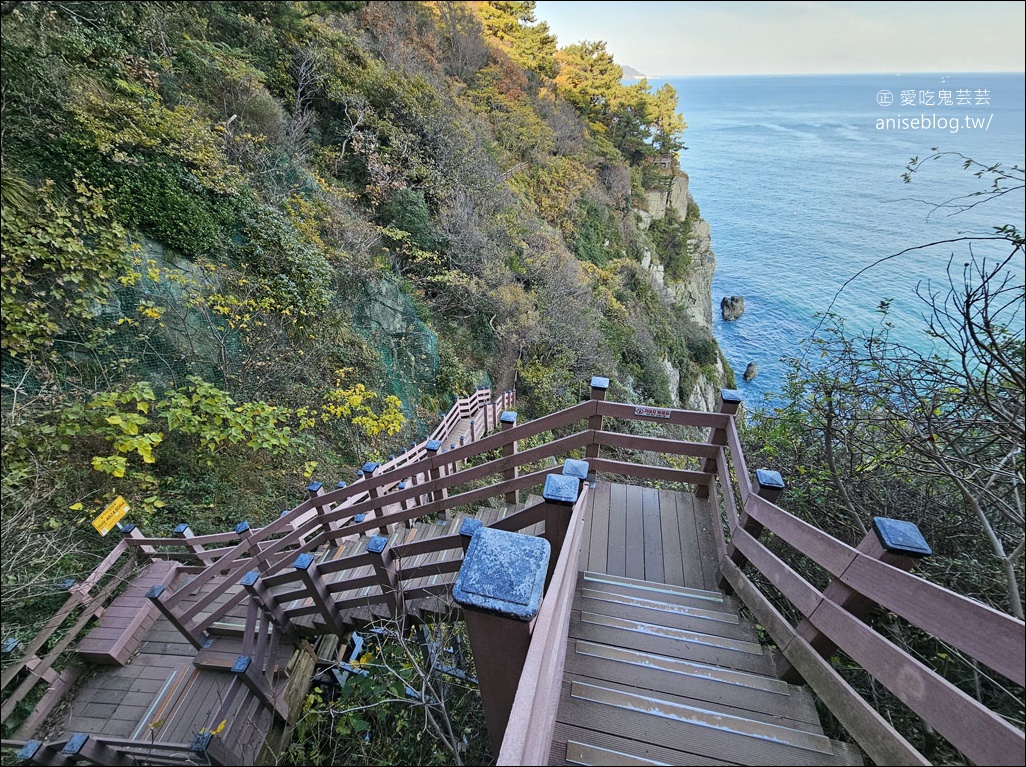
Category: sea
[800,180]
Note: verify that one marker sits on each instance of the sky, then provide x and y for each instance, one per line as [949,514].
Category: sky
[663,39]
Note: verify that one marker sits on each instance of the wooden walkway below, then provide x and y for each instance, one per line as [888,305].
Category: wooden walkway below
[661,667]
[168,691]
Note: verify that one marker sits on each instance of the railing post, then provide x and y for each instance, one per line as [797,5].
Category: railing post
[467,529]
[432,448]
[37,752]
[212,751]
[246,670]
[599,385]
[508,419]
[404,504]
[131,531]
[473,429]
[369,469]
[574,468]
[769,485]
[316,490]
[243,531]
[500,589]
[892,541]
[560,495]
[83,746]
[155,595]
[318,591]
[730,401]
[183,531]
[384,568]
[263,597]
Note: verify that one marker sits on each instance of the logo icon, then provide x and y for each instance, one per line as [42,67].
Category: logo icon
[885,98]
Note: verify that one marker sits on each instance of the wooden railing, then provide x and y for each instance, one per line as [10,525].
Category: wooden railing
[532,719]
[433,482]
[833,618]
[377,503]
[35,662]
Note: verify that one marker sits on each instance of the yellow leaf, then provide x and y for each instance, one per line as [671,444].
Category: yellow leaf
[75,506]
[220,727]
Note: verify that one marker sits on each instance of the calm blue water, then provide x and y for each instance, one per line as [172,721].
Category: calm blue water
[801,191]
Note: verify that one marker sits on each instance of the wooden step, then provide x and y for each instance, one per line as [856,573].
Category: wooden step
[681,694]
[672,642]
[665,614]
[694,729]
[576,745]
[716,685]
[660,592]
[126,620]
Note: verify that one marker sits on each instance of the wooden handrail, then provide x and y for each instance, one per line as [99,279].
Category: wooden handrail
[532,719]
[359,498]
[671,417]
[988,636]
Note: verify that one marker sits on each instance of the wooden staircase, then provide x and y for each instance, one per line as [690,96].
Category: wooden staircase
[664,674]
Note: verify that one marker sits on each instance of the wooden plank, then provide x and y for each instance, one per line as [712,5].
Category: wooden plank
[673,558]
[662,592]
[826,551]
[673,643]
[598,553]
[733,690]
[653,535]
[616,556]
[586,525]
[791,584]
[758,706]
[709,555]
[687,736]
[980,734]
[687,618]
[656,444]
[994,638]
[691,554]
[635,533]
[637,748]
[644,471]
[189,712]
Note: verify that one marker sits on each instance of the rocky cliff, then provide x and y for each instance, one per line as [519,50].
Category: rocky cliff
[689,294]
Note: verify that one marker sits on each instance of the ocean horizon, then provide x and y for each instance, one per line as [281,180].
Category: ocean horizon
[800,180]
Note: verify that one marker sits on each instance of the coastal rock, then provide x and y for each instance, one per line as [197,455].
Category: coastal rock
[732,307]
[751,371]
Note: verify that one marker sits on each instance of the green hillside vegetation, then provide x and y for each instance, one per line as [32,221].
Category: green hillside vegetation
[247,244]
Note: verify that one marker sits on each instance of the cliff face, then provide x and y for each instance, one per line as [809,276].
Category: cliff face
[690,295]
[323,221]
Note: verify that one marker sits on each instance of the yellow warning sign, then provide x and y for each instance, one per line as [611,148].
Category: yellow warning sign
[111,515]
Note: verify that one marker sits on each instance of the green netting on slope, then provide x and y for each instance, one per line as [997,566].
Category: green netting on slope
[179,339]
[387,319]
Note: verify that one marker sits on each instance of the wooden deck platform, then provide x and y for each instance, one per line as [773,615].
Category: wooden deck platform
[661,667]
